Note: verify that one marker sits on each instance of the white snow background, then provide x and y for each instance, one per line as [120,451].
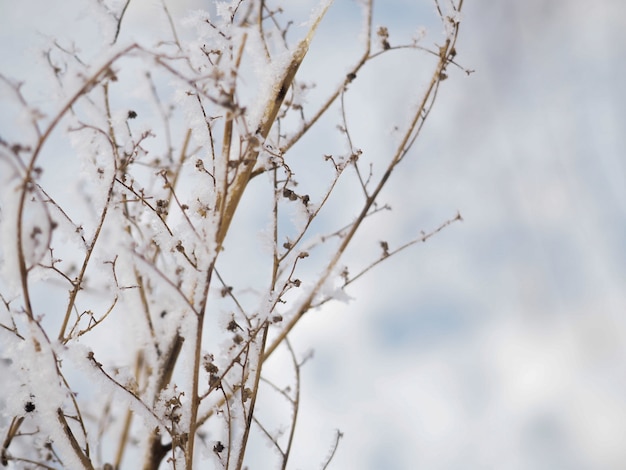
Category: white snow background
[501,342]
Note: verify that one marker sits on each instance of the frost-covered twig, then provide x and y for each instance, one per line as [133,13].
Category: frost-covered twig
[175,146]
[387,253]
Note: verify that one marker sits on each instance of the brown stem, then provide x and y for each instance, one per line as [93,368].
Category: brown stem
[409,137]
[84,460]
[255,393]
[197,361]
[27,180]
[231,201]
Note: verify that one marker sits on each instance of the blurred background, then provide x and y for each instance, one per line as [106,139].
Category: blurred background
[500,342]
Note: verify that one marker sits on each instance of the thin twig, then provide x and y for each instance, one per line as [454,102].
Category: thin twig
[119,22]
[338,436]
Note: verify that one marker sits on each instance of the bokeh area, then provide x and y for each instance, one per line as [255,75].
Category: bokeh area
[500,343]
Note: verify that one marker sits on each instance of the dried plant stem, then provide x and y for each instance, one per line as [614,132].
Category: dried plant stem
[402,148]
[421,239]
[84,460]
[338,436]
[296,405]
[237,188]
[411,132]
[255,392]
[333,97]
[123,441]
[174,222]
[27,178]
[229,202]
[197,361]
